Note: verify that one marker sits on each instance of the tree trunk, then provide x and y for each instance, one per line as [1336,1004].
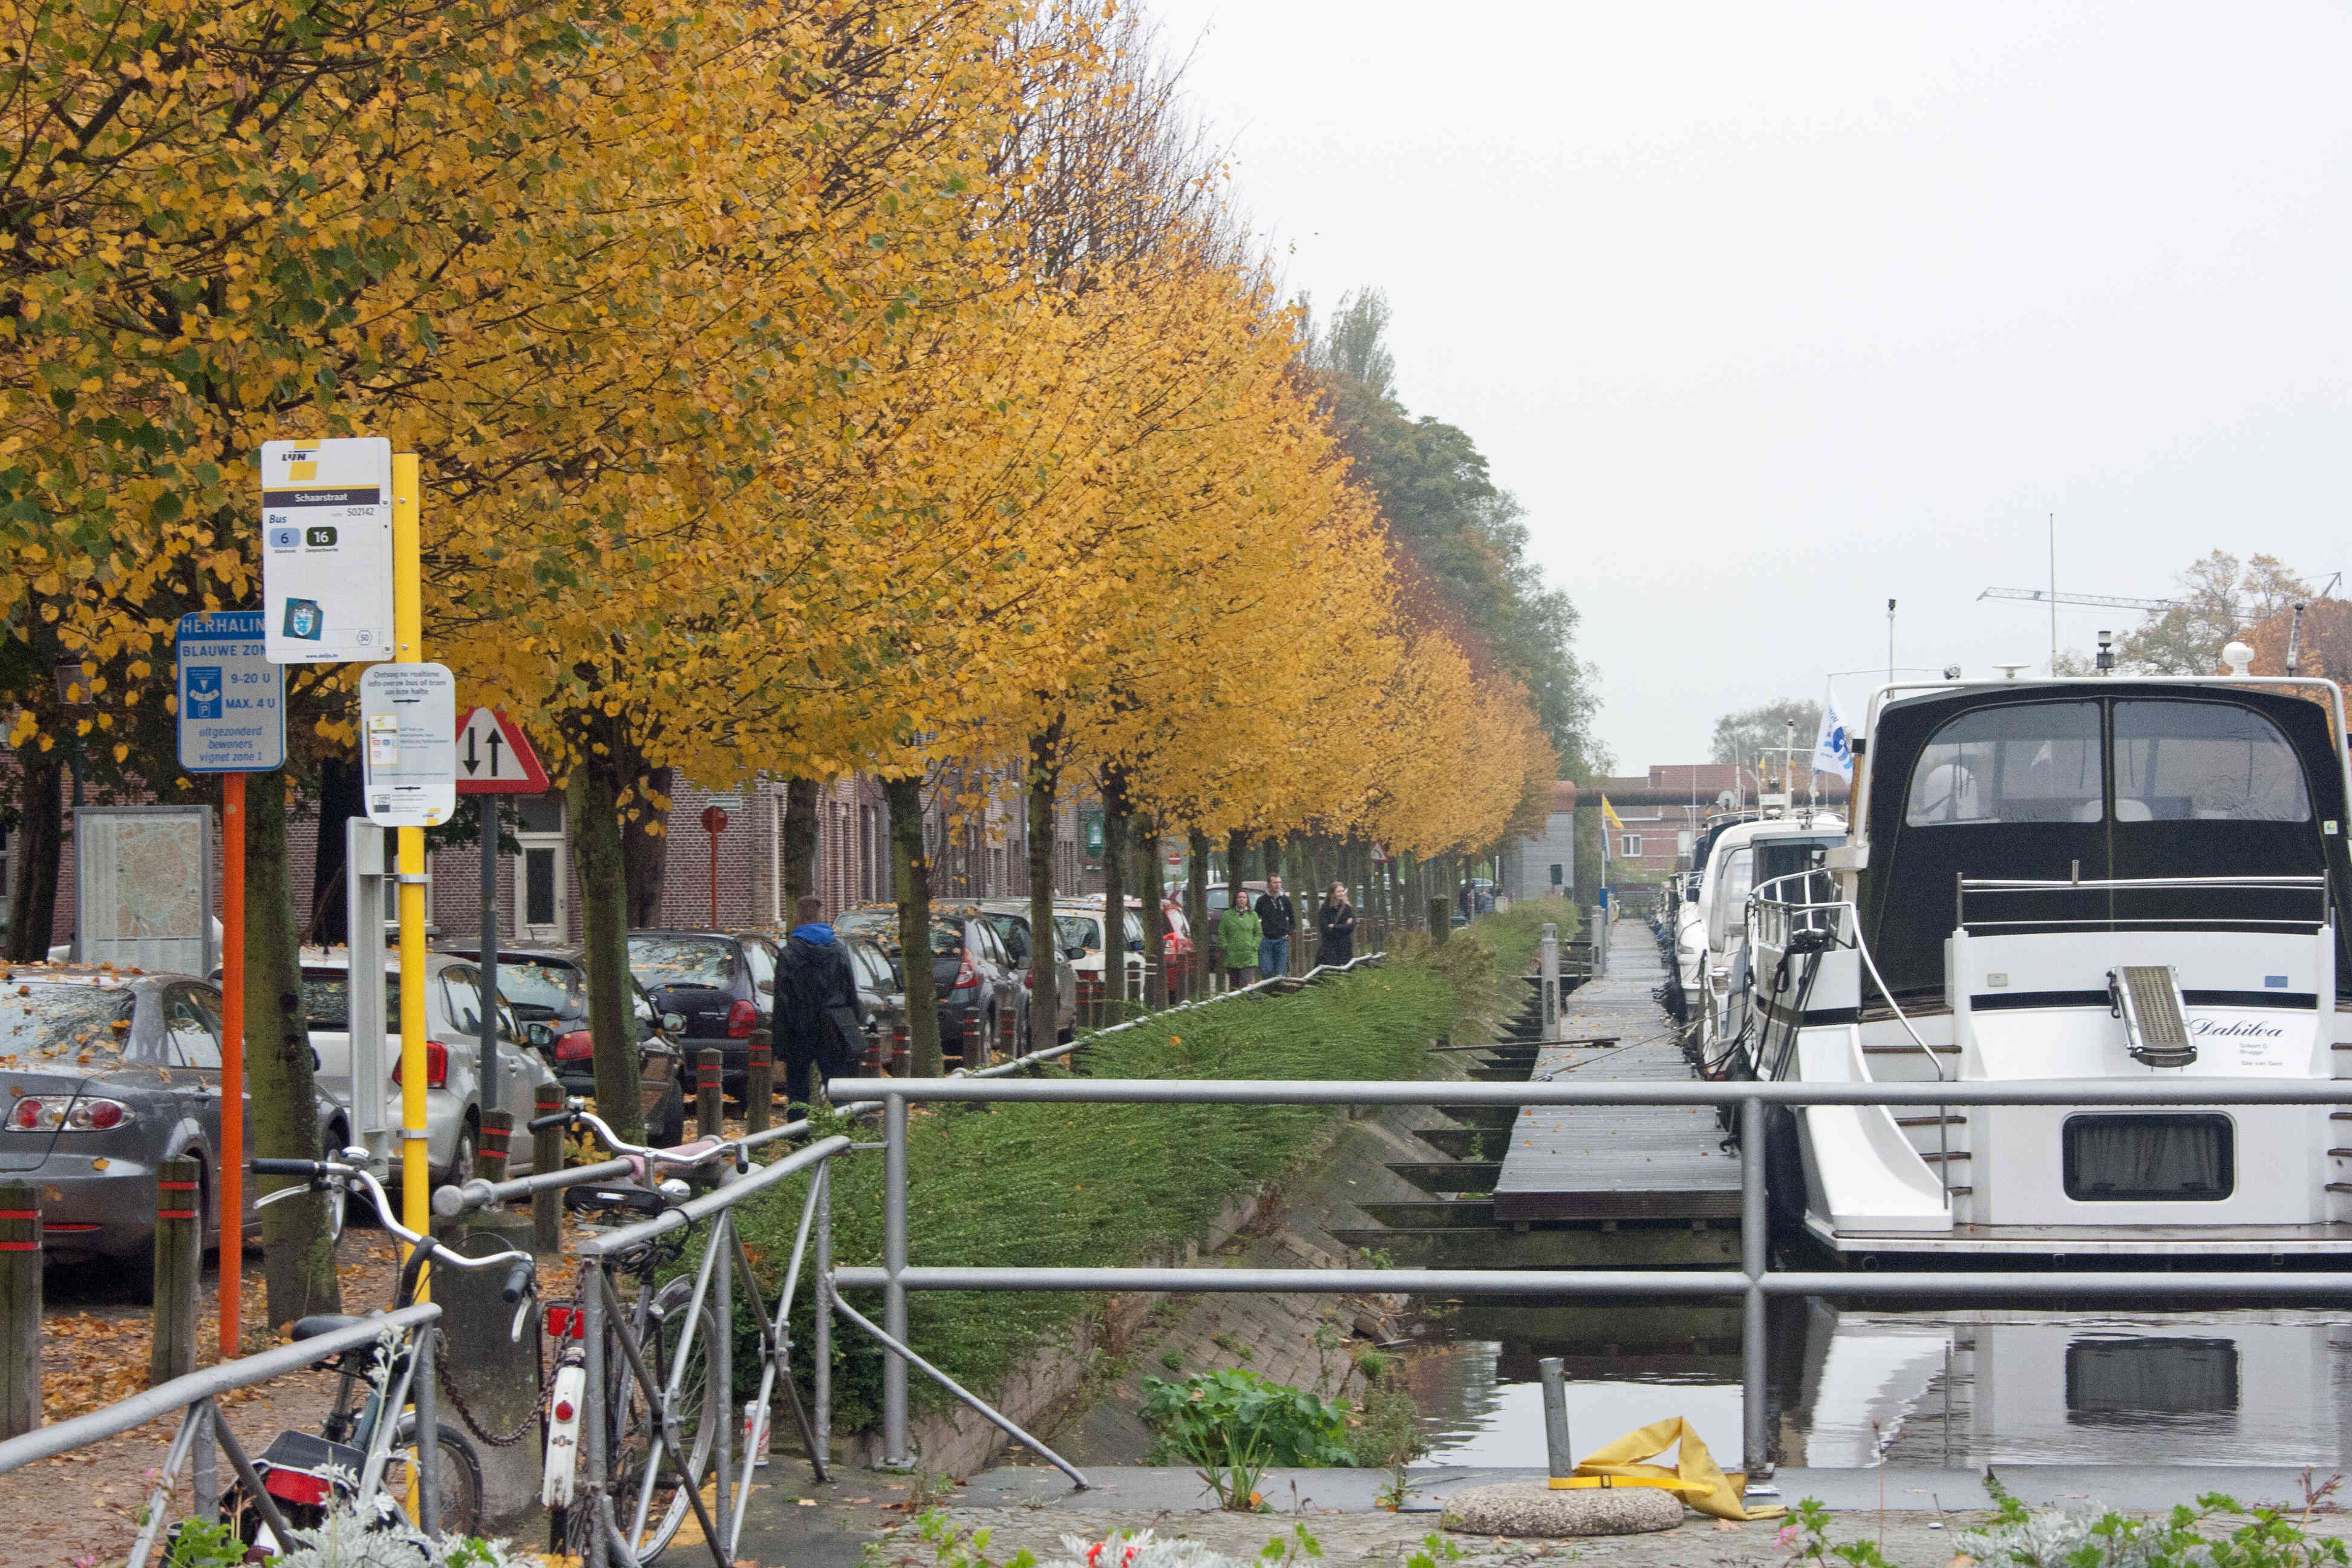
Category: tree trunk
[593,803]
[645,853]
[340,800]
[800,844]
[297,1260]
[1155,920]
[1196,910]
[911,860]
[32,901]
[1044,782]
[1114,899]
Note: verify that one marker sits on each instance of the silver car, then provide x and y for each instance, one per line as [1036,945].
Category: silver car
[452,1091]
[106,1075]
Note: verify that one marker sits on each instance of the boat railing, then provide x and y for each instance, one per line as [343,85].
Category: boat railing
[1800,902]
[2290,891]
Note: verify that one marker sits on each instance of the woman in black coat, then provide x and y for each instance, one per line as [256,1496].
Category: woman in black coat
[1337,920]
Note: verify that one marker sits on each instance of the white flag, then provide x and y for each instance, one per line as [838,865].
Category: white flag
[1833,748]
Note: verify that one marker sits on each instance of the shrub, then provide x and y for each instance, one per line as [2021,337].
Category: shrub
[1216,1413]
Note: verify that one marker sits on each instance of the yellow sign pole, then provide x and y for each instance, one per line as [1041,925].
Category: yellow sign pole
[408,644]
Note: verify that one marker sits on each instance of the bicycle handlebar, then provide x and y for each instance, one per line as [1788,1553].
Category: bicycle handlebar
[322,1174]
[576,1113]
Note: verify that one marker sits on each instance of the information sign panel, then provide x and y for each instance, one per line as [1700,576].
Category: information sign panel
[143,886]
[232,698]
[326,550]
[408,754]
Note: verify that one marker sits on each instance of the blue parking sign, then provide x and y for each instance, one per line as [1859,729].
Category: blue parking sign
[232,700]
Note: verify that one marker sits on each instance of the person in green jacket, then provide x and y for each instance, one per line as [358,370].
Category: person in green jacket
[1238,932]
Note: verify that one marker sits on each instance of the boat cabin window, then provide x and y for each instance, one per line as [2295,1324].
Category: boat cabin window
[1730,905]
[2204,762]
[2028,762]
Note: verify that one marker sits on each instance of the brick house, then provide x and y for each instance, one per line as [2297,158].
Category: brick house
[1663,809]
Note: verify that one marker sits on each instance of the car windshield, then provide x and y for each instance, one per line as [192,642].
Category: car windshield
[76,1021]
[702,961]
[327,1000]
[533,983]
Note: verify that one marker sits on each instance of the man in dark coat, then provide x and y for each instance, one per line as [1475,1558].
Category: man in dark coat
[816,1005]
[1277,918]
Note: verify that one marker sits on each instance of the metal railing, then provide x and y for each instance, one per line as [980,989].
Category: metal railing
[1754,1282]
[2315,886]
[195,1395]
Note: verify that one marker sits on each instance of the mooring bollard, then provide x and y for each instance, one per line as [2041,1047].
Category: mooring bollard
[710,1100]
[1557,1452]
[20,1310]
[178,1263]
[498,1139]
[760,1082]
[547,1154]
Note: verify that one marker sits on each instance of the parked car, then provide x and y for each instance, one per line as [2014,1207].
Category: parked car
[110,1074]
[547,989]
[1080,921]
[976,980]
[722,984]
[881,993]
[1221,896]
[453,1013]
[1010,916]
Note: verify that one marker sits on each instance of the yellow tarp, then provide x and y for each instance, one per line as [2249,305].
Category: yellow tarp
[1696,1477]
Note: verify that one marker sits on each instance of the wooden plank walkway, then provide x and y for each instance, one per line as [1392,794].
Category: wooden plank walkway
[1617,1163]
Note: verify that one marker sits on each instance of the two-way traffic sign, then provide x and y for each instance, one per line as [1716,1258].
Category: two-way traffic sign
[494,758]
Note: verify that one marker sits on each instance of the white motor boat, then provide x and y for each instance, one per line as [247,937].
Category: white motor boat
[1743,855]
[2090,879]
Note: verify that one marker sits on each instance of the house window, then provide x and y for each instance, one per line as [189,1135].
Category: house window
[539,871]
[1630,845]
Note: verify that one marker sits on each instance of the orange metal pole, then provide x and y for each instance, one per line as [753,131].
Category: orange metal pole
[714,880]
[232,1149]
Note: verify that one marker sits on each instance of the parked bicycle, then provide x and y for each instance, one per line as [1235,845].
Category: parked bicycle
[658,1451]
[366,1453]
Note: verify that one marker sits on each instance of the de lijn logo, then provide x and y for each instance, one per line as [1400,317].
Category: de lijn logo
[304,619]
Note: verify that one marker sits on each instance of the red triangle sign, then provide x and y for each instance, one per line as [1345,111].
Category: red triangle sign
[494,758]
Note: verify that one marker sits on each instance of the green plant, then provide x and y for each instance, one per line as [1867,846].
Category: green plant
[1289,1551]
[1292,1426]
[204,1543]
[1434,1549]
[1387,1432]
[1232,1346]
[2091,1537]
[1172,1358]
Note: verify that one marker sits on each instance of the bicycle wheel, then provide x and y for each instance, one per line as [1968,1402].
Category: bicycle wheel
[649,1496]
[459,1481]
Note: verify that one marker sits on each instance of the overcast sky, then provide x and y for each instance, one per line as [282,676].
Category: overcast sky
[1770,312]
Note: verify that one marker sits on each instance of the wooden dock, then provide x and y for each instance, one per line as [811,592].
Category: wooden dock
[1609,1163]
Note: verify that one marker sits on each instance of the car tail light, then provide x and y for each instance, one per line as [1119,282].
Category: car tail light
[576,1046]
[437,1065]
[33,1116]
[967,976]
[742,1017]
[295,1487]
[97,1115]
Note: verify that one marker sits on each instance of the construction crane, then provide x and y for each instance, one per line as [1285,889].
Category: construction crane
[2095,601]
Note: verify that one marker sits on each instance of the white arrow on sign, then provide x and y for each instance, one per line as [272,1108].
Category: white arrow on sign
[493,758]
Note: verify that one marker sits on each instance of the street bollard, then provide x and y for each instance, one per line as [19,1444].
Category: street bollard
[760,1082]
[1008,1035]
[498,1139]
[20,1310]
[710,1100]
[1556,1451]
[547,1154]
[902,1050]
[179,1264]
[877,1055]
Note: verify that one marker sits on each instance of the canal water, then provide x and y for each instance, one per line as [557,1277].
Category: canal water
[1938,1387]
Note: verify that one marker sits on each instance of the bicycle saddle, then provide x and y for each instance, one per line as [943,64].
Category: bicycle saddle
[318,1323]
[639,1200]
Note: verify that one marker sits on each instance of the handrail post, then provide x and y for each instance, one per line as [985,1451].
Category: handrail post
[1755,1457]
[428,1428]
[591,1490]
[821,1339]
[894,1293]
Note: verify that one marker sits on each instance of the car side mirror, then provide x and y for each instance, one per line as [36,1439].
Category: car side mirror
[1075,952]
[673,1023]
[1135,944]
[767,987]
[538,1036]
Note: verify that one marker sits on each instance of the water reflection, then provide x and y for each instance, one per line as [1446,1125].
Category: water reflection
[1916,1389]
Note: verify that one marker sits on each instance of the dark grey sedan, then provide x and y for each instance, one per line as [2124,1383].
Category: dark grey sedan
[107,1074]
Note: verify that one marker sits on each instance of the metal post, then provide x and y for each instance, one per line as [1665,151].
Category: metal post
[722,1366]
[203,1474]
[232,1079]
[429,1428]
[894,1264]
[821,1343]
[1551,1009]
[589,1493]
[486,819]
[1755,1457]
[1557,1453]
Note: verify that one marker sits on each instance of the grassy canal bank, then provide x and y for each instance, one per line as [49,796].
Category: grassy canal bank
[1068,1185]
